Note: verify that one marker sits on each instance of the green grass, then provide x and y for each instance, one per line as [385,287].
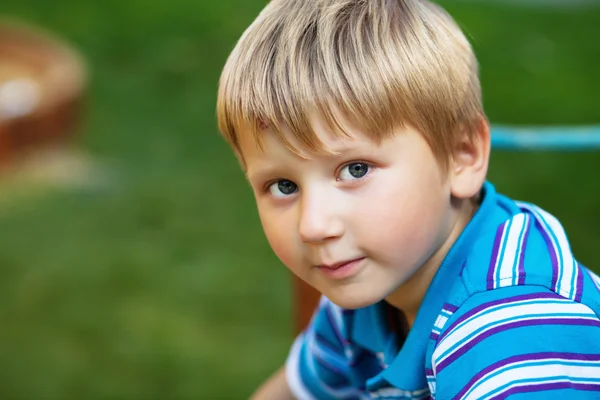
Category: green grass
[162,286]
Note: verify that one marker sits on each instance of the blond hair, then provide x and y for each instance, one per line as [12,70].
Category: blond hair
[380,64]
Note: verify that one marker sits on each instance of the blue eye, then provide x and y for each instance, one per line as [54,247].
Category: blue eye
[354,171]
[283,188]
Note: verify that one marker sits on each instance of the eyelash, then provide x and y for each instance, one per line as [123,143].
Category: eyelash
[341,168]
[371,167]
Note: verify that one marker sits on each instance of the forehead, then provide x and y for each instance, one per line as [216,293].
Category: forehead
[268,143]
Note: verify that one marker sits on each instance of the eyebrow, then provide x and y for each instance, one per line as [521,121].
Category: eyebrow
[260,173]
[337,152]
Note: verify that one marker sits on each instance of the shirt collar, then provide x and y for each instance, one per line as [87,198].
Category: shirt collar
[369,330]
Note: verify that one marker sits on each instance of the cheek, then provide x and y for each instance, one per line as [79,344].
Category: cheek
[279,230]
[407,216]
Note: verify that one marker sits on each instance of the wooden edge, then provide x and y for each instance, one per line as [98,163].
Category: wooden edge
[306,300]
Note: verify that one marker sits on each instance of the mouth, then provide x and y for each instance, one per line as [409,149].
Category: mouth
[343,269]
[341,264]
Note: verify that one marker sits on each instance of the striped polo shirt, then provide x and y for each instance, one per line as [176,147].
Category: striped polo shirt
[510,312]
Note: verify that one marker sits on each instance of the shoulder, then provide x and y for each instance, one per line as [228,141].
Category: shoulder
[530,248]
[508,338]
[524,316]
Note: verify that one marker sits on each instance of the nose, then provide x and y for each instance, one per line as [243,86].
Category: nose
[319,218]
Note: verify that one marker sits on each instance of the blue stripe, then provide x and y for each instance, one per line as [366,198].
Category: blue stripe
[530,364]
[515,267]
[507,321]
[497,307]
[555,245]
[542,380]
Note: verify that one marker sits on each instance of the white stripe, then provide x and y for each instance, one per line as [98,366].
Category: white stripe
[500,255]
[526,227]
[514,312]
[496,307]
[431,382]
[323,300]
[336,360]
[492,375]
[336,311]
[432,387]
[447,312]
[576,273]
[292,373]
[437,330]
[551,372]
[337,316]
[534,210]
[292,370]
[511,251]
[400,394]
[566,285]
[567,282]
[441,321]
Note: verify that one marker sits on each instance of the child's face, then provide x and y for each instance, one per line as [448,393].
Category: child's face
[384,208]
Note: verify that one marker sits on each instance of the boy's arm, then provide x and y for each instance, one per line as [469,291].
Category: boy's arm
[524,342]
[275,388]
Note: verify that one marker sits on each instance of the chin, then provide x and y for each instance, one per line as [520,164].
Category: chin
[352,301]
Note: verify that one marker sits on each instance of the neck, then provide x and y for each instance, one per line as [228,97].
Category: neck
[409,296]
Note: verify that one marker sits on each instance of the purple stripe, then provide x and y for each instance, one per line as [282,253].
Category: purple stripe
[494,258]
[334,326]
[579,287]
[525,357]
[521,267]
[592,387]
[462,268]
[321,340]
[450,307]
[551,250]
[359,358]
[505,327]
[327,365]
[342,384]
[508,300]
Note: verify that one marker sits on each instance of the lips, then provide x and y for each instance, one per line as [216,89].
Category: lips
[338,265]
[342,270]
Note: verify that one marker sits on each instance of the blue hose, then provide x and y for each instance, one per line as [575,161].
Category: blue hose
[567,138]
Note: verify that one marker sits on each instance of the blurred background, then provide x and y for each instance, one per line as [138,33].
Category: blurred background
[132,262]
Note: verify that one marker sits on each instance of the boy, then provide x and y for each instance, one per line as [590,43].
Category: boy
[360,128]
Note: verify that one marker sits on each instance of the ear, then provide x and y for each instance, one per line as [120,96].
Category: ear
[469,163]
